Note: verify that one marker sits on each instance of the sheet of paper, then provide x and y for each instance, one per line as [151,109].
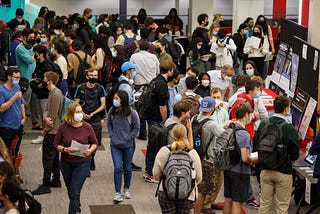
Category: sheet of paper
[269,57]
[254,154]
[315,60]
[304,51]
[205,57]
[307,195]
[254,42]
[79,147]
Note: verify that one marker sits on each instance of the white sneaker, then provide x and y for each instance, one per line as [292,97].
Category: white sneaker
[126,194]
[118,197]
[39,140]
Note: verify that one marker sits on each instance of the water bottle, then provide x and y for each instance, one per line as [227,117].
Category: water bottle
[197,142]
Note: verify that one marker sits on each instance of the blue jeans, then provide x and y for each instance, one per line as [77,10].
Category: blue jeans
[74,175]
[149,159]
[122,160]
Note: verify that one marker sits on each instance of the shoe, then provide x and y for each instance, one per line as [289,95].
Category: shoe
[20,179]
[150,179]
[39,140]
[126,194]
[55,183]
[135,167]
[36,128]
[89,175]
[216,207]
[41,190]
[253,204]
[117,198]
[207,211]
[93,165]
[142,137]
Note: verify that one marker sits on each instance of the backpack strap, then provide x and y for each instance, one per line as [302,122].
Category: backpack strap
[79,58]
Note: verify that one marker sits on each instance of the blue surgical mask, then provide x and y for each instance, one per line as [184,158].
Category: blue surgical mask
[76,26]
[43,40]
[133,75]
[250,72]
[245,32]
[199,47]
[214,33]
[258,94]
[116,103]
[289,118]
[41,26]
[15,83]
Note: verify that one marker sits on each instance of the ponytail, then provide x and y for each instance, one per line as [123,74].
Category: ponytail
[22,201]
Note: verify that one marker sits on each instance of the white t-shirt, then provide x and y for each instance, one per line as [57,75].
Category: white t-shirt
[62,62]
[12,211]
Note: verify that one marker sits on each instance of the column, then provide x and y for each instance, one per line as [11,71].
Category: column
[279,10]
[197,7]
[304,12]
[245,8]
[123,10]
[314,23]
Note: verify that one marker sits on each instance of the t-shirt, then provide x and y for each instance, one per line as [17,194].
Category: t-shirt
[161,98]
[83,135]
[243,140]
[90,99]
[12,211]
[11,118]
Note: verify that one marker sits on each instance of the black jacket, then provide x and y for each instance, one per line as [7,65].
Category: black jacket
[315,150]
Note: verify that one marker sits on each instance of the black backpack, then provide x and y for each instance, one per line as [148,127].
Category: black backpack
[34,205]
[82,70]
[233,55]
[199,146]
[112,91]
[158,137]
[272,152]
[173,48]
[57,69]
[146,102]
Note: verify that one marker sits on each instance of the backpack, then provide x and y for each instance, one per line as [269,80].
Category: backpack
[173,48]
[82,70]
[128,40]
[271,150]
[66,103]
[145,103]
[193,101]
[226,151]
[178,178]
[34,205]
[112,91]
[57,69]
[158,137]
[199,146]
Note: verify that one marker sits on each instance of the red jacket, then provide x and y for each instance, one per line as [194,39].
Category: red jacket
[243,98]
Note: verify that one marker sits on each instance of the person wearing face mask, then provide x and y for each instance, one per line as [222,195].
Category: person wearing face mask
[75,168]
[172,89]
[87,15]
[202,32]
[92,97]
[18,23]
[127,79]
[251,69]
[17,39]
[257,54]
[191,71]
[58,27]
[280,178]
[123,126]
[249,22]
[222,79]
[51,118]
[12,111]
[194,55]
[161,52]
[204,88]
[239,40]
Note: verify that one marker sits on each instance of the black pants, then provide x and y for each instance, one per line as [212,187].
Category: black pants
[50,160]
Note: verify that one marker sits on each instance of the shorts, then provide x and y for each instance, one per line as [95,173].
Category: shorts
[170,207]
[209,178]
[236,186]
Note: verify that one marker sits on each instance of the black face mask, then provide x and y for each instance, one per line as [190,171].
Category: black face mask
[255,34]
[30,41]
[89,17]
[158,50]
[92,80]
[207,23]
[27,46]
[38,40]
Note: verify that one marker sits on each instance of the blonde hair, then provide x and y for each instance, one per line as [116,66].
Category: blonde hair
[214,25]
[180,143]
[69,116]
[258,79]
[4,152]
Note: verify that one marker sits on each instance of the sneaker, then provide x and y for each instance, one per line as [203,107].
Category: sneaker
[126,194]
[117,198]
[217,206]
[135,167]
[41,190]
[207,211]
[253,204]
[55,183]
[93,165]
[39,140]
[150,179]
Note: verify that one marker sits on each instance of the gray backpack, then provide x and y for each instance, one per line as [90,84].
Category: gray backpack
[178,178]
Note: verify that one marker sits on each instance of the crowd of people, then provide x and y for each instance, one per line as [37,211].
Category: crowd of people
[107,68]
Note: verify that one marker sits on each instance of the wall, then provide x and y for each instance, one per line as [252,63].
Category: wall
[8,13]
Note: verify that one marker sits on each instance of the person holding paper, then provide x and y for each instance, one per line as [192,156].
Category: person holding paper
[123,126]
[75,168]
[257,47]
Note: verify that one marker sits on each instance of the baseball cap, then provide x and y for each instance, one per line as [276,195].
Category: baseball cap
[128,65]
[207,103]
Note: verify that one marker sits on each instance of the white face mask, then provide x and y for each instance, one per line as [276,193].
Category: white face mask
[205,83]
[78,117]
[57,32]
[228,78]
[319,119]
